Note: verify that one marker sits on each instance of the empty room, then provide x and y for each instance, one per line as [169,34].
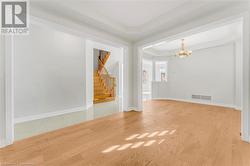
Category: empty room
[115,83]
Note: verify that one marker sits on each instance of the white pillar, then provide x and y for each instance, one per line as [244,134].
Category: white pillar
[153,70]
[138,78]
[88,78]
[245,116]
[238,74]
[2,93]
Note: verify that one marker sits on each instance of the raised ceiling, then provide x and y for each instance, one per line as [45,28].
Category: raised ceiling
[213,37]
[132,20]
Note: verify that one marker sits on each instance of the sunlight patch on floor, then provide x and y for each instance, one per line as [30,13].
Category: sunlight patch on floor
[161,141]
[137,144]
[125,146]
[133,145]
[142,135]
[153,134]
[110,149]
[150,135]
[150,143]
[163,133]
[132,137]
[172,132]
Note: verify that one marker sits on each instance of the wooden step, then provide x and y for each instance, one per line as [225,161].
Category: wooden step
[102,90]
[100,86]
[104,100]
[101,95]
[98,83]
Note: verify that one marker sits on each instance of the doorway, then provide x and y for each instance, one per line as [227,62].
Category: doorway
[241,73]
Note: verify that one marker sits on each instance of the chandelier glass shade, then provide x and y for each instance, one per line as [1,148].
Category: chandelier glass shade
[183,51]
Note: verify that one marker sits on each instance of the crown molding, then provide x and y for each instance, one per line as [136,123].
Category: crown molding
[89,31]
[165,22]
[193,48]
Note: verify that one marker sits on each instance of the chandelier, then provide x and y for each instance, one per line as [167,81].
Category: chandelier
[183,52]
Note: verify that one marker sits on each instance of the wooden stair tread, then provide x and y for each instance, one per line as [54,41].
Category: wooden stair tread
[102,93]
[104,100]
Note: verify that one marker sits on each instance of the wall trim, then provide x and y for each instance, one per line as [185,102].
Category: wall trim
[199,102]
[238,108]
[207,45]
[9,91]
[245,136]
[89,106]
[2,143]
[245,121]
[48,115]
[132,109]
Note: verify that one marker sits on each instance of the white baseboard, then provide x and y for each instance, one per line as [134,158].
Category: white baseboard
[245,137]
[238,108]
[200,102]
[47,115]
[89,106]
[132,109]
[2,143]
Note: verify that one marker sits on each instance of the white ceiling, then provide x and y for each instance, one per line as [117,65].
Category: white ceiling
[128,15]
[129,19]
[212,37]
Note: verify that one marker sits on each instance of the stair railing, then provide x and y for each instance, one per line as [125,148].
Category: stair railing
[108,80]
[103,57]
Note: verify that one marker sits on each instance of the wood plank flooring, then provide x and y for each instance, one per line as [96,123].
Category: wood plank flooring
[167,133]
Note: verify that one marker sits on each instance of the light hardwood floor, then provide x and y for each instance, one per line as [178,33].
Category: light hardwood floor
[167,133]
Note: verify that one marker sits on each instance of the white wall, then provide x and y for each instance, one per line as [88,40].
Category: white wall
[148,67]
[128,76]
[61,87]
[209,72]
[49,72]
[2,94]
[100,36]
[193,27]
[95,59]
[238,74]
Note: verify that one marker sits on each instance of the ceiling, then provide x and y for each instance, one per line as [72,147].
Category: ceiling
[131,20]
[212,37]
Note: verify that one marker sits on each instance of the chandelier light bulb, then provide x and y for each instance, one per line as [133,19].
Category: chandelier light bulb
[183,51]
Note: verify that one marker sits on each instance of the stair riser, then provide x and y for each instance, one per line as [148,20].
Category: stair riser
[101,93]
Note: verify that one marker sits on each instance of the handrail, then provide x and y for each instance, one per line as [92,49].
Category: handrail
[108,80]
[103,67]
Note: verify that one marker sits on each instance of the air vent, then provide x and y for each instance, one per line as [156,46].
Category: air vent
[202,97]
[206,97]
[196,97]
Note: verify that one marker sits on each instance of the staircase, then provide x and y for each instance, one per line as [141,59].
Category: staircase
[104,84]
